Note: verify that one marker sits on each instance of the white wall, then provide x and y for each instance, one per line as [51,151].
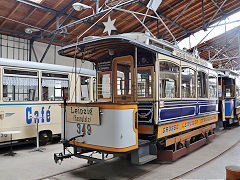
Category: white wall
[17,46]
[50,56]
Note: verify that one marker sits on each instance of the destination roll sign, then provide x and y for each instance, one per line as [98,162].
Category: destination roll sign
[83,114]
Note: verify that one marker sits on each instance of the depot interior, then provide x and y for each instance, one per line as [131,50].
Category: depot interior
[50,55]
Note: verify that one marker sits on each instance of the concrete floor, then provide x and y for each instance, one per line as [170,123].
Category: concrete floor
[207,162]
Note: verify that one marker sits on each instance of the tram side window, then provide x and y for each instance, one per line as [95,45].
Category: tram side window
[212,87]
[19,87]
[169,80]
[104,83]
[188,83]
[54,87]
[85,81]
[144,82]
[202,84]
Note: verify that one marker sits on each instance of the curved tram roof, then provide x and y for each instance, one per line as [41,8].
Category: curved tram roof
[93,48]
[43,66]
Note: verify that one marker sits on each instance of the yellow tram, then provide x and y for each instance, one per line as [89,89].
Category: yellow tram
[152,100]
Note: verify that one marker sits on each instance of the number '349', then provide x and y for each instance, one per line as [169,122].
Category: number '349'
[84,129]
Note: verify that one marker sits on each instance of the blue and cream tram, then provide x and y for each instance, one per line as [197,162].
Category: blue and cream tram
[153,100]
[32,91]
[229,96]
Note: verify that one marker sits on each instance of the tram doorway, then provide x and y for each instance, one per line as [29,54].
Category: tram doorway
[123,75]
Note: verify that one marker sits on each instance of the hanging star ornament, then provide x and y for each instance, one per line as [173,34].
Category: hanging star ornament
[109,26]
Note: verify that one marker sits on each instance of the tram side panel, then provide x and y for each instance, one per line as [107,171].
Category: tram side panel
[116,131]
[23,118]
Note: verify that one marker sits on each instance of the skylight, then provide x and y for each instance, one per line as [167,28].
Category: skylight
[36,1]
[198,36]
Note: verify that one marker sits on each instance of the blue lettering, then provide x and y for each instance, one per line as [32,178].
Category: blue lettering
[48,114]
[42,114]
[28,115]
[36,113]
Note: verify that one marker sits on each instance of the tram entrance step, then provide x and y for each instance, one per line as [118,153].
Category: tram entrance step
[146,159]
[144,154]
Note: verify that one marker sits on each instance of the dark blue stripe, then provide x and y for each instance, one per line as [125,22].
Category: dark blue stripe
[176,113]
[210,108]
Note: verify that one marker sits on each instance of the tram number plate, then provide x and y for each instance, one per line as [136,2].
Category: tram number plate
[83,114]
[84,129]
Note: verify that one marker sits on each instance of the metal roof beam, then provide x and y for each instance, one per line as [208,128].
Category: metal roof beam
[203,17]
[161,15]
[63,12]
[218,6]
[39,6]
[209,22]
[95,15]
[30,35]
[54,36]
[177,17]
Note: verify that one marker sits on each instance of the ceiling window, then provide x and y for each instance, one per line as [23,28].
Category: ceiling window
[36,1]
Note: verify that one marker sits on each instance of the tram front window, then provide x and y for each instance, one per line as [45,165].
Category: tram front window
[123,78]
[169,80]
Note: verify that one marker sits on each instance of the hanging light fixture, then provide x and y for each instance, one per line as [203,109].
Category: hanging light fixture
[79,6]
[30,30]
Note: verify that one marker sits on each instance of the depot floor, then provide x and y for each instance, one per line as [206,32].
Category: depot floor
[207,162]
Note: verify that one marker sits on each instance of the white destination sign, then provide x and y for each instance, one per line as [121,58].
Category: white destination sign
[83,114]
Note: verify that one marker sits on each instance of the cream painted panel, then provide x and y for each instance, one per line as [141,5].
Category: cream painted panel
[185,64]
[162,57]
[21,118]
[116,130]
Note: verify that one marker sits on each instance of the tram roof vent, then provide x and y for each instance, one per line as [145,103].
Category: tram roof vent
[141,37]
[89,38]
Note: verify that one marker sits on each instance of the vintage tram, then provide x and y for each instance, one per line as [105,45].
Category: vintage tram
[32,92]
[153,100]
[229,96]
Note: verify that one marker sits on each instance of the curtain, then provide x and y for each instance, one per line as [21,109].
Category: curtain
[19,81]
[54,83]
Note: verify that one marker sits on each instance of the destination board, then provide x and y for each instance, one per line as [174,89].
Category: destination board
[83,114]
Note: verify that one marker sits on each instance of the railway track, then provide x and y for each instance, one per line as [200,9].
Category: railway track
[53,177]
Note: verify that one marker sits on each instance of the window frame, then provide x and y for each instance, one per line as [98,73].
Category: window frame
[90,90]
[199,69]
[98,82]
[216,77]
[152,82]
[20,76]
[194,69]
[176,62]
[55,78]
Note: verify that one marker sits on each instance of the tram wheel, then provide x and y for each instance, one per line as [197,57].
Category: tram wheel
[179,146]
[193,139]
[45,137]
[187,143]
[206,135]
[201,136]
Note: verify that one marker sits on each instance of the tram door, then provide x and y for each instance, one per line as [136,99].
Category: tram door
[123,79]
